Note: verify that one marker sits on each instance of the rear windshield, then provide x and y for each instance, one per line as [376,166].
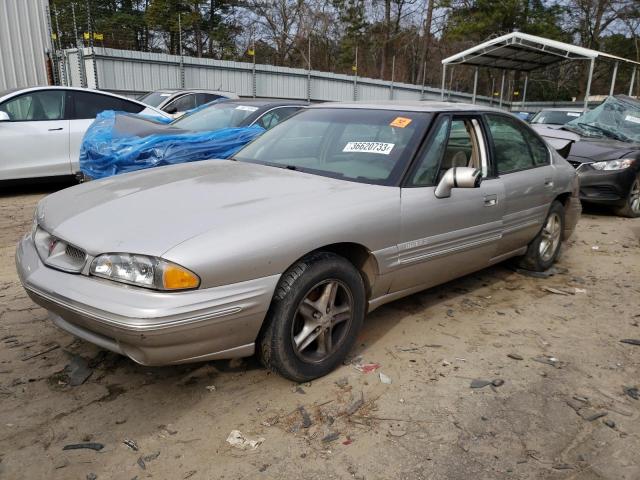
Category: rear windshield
[154,98]
[216,116]
[555,118]
[363,145]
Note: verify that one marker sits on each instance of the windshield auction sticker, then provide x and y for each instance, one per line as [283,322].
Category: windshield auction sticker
[631,118]
[369,147]
[400,122]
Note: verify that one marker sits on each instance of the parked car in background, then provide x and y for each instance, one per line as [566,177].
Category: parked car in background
[118,143]
[284,248]
[525,116]
[607,155]
[556,117]
[41,128]
[179,101]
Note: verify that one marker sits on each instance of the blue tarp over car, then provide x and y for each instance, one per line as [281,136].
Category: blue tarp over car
[119,142]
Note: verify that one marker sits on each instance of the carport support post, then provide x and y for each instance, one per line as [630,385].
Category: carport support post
[475,86]
[502,88]
[524,93]
[444,79]
[588,90]
[633,79]
[613,79]
[424,72]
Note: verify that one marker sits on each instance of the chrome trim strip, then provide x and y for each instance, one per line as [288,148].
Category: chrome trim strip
[447,251]
[157,325]
[520,226]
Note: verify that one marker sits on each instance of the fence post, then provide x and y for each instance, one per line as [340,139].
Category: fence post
[393,75]
[424,72]
[355,78]
[309,70]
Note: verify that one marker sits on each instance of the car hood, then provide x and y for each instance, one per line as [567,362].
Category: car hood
[601,149]
[151,211]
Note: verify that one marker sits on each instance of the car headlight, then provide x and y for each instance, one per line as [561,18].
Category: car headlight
[613,164]
[143,271]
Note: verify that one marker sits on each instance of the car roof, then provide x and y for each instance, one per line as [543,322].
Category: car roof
[267,102]
[174,91]
[412,106]
[76,89]
[563,109]
[18,91]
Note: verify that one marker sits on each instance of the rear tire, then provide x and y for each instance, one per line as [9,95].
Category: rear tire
[543,250]
[314,317]
[631,207]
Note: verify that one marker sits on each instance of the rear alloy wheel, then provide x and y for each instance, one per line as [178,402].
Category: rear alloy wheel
[543,250]
[632,206]
[314,317]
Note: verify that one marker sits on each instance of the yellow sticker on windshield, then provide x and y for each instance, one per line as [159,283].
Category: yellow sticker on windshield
[400,122]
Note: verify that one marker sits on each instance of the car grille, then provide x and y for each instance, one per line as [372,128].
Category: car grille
[57,253]
[574,163]
[74,254]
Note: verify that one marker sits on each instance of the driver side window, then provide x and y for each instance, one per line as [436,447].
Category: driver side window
[455,143]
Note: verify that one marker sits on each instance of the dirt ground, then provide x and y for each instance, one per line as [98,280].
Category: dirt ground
[543,423]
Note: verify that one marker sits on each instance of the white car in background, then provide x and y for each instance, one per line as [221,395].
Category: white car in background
[176,102]
[41,128]
[556,117]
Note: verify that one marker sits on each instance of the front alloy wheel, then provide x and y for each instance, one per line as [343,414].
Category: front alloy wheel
[314,317]
[632,206]
[322,321]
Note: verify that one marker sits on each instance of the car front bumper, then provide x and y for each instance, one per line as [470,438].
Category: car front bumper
[150,327]
[607,187]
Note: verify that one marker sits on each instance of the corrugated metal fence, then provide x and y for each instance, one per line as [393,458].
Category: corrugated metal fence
[24,43]
[133,73]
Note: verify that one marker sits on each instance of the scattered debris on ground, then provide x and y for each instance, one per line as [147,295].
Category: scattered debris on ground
[238,440]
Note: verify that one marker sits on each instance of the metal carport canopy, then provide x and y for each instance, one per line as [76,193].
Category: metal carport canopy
[524,52]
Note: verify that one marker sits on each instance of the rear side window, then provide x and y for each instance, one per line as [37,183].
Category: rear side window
[538,149]
[182,104]
[511,149]
[88,105]
[202,98]
[36,106]
[275,116]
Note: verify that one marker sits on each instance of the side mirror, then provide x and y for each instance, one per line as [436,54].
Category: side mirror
[4,117]
[458,177]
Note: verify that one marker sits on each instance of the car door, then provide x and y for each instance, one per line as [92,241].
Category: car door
[523,163]
[443,238]
[35,138]
[84,107]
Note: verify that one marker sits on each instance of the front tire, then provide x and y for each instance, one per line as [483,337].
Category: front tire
[314,317]
[543,250]
[631,208]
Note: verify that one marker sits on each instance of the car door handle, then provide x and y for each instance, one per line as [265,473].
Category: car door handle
[55,129]
[490,200]
[548,182]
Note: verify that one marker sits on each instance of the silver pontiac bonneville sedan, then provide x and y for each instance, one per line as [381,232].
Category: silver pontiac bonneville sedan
[284,248]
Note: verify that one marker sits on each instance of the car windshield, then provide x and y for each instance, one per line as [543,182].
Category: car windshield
[362,145]
[554,117]
[215,116]
[154,98]
[617,117]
